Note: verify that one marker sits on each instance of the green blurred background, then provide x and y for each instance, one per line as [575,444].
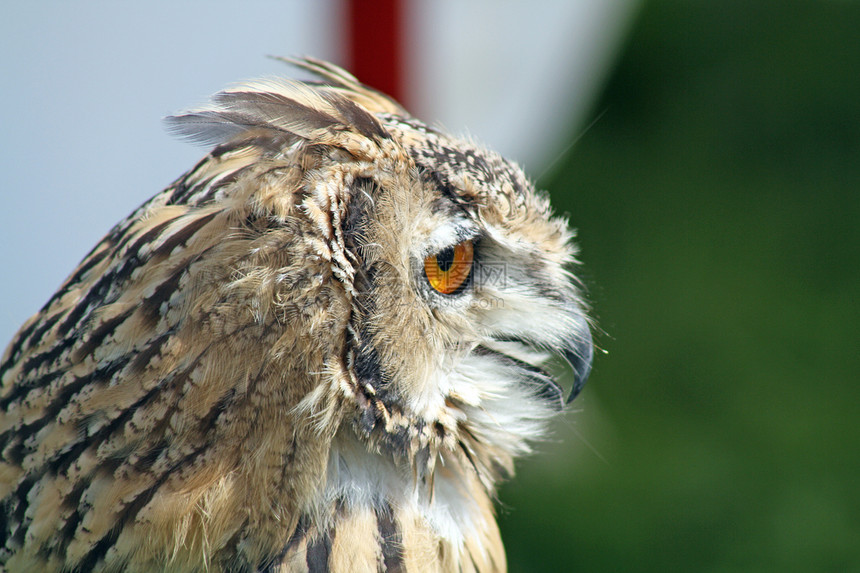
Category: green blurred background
[717,200]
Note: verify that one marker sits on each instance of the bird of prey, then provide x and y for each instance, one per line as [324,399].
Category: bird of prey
[320,349]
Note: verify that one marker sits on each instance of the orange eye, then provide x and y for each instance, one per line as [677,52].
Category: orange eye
[448,270]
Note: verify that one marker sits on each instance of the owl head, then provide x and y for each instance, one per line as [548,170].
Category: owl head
[339,314]
[452,271]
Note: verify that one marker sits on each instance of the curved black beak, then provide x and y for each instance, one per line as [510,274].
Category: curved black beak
[579,354]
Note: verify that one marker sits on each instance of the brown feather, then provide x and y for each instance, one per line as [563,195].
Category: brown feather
[251,372]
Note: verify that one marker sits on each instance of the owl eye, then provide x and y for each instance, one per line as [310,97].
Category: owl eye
[448,270]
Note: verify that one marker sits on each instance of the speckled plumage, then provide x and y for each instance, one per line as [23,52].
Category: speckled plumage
[251,372]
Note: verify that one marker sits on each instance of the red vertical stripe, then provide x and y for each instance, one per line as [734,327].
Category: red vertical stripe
[375,44]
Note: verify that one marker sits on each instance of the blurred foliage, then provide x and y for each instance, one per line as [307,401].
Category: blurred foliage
[718,206]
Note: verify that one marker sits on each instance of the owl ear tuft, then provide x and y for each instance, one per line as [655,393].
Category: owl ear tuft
[345,83]
[321,114]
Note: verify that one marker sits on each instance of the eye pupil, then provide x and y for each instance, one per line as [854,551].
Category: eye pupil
[445,259]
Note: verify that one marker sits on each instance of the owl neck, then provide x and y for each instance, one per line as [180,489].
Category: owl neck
[376,509]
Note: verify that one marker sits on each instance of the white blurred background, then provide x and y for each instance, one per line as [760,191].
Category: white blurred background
[86,83]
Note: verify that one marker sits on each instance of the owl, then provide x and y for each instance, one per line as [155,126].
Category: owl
[320,349]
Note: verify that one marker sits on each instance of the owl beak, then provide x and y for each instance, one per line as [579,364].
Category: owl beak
[579,353]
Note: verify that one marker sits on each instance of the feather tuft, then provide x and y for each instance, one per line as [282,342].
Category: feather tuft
[312,112]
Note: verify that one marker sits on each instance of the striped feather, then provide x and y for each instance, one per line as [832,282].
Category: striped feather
[251,373]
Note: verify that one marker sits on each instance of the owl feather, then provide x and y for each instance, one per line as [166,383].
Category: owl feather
[320,349]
